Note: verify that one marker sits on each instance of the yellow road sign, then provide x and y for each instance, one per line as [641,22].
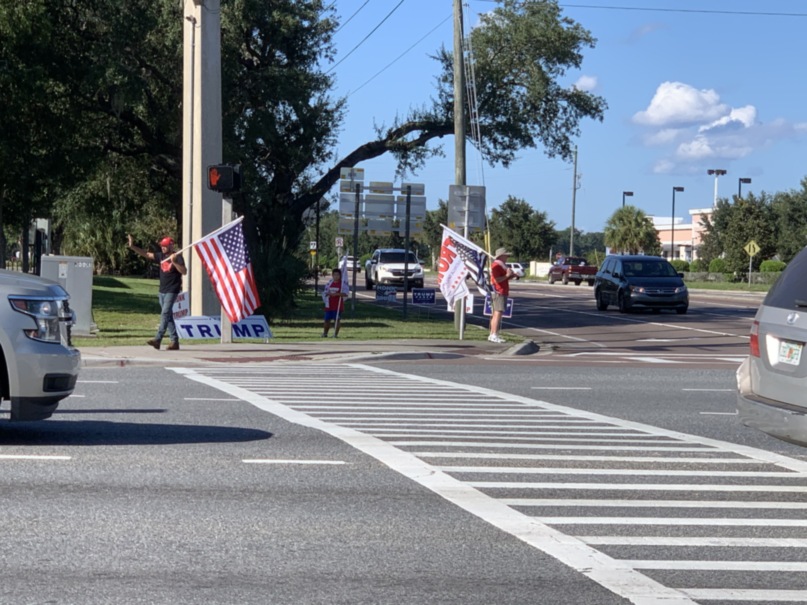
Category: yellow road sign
[751,248]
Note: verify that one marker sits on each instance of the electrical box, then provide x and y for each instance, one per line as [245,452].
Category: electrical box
[74,274]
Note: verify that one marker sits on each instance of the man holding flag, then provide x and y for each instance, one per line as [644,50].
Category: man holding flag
[334,295]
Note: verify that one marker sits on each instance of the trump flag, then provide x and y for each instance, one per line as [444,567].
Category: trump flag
[226,259]
[458,259]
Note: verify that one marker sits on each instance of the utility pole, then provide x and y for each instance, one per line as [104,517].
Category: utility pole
[574,201]
[459,135]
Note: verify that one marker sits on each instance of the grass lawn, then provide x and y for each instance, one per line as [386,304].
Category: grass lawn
[126,311]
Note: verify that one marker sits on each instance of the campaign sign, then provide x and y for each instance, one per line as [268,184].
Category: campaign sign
[254,326]
[182,306]
[508,308]
[386,293]
[424,296]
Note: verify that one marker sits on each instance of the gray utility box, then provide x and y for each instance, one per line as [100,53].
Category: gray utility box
[74,274]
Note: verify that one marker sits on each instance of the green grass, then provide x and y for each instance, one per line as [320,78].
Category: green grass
[126,311]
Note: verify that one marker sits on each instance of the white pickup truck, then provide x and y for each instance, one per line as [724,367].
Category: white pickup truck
[38,364]
[387,267]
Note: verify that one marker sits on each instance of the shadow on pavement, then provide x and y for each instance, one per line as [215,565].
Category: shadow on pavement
[98,432]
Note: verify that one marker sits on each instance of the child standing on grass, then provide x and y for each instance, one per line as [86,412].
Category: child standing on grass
[334,298]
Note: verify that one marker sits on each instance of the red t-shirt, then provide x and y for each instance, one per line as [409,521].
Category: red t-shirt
[334,302]
[498,270]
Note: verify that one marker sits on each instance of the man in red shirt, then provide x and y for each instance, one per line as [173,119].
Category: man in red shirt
[500,276]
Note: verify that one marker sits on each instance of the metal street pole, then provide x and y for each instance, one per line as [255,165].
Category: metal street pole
[717,172]
[626,194]
[459,133]
[574,201]
[672,224]
[742,180]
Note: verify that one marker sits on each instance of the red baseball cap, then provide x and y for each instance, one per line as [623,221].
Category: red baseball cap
[166,241]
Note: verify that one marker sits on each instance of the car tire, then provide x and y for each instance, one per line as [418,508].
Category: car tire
[551,279]
[622,302]
[601,304]
[565,280]
[577,282]
[682,310]
[591,282]
[367,283]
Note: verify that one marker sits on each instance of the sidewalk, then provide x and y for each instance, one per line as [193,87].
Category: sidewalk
[333,350]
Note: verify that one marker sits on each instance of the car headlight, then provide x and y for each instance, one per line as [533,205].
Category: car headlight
[637,289]
[48,314]
[681,290]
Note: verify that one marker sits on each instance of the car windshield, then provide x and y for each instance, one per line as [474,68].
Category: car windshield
[648,268]
[397,257]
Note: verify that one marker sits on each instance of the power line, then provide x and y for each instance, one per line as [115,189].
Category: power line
[396,59]
[363,40]
[349,19]
[675,10]
[684,10]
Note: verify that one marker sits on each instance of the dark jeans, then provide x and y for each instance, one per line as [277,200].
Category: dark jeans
[167,300]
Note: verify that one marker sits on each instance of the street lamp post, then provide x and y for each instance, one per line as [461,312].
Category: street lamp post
[672,224]
[745,180]
[624,195]
[717,172]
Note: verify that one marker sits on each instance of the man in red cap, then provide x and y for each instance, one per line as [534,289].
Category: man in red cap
[172,268]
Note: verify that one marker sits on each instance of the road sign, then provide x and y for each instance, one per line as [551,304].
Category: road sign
[751,248]
[312,246]
[340,242]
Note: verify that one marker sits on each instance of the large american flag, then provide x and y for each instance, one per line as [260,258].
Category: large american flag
[226,258]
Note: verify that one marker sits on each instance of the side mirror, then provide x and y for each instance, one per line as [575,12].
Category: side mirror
[681,275]
[616,275]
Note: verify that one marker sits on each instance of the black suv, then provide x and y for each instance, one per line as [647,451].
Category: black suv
[635,281]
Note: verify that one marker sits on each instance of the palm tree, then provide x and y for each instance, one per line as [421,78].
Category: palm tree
[631,231]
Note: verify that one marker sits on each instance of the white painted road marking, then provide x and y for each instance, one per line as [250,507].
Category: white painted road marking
[689,474]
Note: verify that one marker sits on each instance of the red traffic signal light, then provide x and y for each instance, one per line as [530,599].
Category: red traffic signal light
[224,178]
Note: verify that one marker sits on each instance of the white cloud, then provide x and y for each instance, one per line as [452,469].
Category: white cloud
[586,83]
[678,104]
[695,126]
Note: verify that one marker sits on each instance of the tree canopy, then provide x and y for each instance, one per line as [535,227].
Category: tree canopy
[630,231]
[91,97]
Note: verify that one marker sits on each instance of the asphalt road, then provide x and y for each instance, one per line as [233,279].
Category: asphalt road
[411,483]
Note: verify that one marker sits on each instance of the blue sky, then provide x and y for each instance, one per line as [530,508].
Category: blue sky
[688,90]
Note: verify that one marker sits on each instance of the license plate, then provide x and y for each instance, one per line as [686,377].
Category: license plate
[790,352]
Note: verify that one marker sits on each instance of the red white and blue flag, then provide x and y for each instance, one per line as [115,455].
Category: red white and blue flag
[460,258]
[226,259]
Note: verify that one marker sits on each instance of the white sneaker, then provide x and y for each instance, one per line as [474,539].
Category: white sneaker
[496,338]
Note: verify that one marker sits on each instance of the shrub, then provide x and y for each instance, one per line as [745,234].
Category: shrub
[681,266]
[698,266]
[718,265]
[772,266]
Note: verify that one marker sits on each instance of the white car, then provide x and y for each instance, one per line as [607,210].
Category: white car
[351,262]
[38,364]
[518,269]
[388,266]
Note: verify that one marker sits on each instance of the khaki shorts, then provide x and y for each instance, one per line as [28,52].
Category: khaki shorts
[497,302]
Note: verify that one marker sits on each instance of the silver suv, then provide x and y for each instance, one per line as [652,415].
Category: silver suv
[38,364]
[772,381]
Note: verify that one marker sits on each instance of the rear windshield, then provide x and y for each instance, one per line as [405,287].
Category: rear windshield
[574,261]
[790,290]
[398,257]
[648,268]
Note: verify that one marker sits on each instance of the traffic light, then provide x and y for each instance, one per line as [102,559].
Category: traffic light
[224,178]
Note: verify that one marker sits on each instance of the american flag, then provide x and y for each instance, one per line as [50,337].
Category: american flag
[226,258]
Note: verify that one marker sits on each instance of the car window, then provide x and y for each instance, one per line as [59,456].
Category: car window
[397,257]
[790,290]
